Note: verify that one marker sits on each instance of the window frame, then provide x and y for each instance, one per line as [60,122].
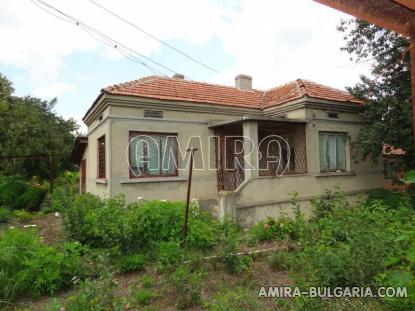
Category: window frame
[101,174]
[336,170]
[160,134]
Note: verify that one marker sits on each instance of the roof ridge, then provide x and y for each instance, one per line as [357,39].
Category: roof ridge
[326,86]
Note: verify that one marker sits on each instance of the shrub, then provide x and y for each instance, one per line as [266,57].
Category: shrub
[29,267]
[130,263]
[146,281]
[95,295]
[239,299]
[5,215]
[393,200]
[187,285]
[345,246]
[22,216]
[169,254]
[64,193]
[279,260]
[15,193]
[140,296]
[229,242]
[111,224]
[11,188]
[270,229]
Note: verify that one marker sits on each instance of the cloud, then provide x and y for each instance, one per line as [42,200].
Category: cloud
[274,41]
[53,90]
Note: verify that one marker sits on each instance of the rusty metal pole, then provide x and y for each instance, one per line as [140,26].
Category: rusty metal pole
[189,185]
[412,69]
[51,173]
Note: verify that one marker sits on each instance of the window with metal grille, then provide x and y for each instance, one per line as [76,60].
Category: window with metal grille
[101,157]
[153,154]
[153,113]
[332,152]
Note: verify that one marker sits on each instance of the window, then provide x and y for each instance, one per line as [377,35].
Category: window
[101,157]
[152,154]
[332,152]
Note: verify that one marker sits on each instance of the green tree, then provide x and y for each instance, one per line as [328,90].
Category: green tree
[29,126]
[387,91]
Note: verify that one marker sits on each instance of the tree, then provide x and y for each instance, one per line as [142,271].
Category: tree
[387,92]
[28,126]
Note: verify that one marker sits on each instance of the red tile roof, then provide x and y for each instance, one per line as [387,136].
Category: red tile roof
[197,92]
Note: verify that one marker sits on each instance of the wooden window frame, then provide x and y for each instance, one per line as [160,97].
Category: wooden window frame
[101,174]
[345,152]
[133,134]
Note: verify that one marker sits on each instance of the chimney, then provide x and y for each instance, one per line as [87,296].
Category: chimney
[243,82]
[178,76]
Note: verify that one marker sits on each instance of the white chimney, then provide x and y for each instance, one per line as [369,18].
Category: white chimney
[243,82]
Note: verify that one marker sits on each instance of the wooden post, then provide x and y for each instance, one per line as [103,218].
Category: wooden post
[189,184]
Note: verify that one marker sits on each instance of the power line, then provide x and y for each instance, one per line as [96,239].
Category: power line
[153,37]
[115,44]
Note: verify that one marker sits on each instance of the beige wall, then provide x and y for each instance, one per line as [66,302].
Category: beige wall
[270,194]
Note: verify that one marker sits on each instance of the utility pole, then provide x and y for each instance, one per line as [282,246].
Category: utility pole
[189,185]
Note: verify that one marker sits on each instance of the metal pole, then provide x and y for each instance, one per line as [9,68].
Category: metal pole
[189,184]
[51,173]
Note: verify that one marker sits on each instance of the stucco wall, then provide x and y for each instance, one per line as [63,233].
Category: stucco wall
[269,194]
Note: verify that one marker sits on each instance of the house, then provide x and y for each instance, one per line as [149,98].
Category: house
[139,133]
[392,168]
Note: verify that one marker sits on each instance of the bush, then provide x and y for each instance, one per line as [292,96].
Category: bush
[229,242]
[64,193]
[29,267]
[187,285]
[270,229]
[11,188]
[130,263]
[169,254]
[279,260]
[146,281]
[17,194]
[5,215]
[22,216]
[126,229]
[347,247]
[95,295]
[140,297]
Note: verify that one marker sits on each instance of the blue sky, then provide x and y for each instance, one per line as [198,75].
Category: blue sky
[273,41]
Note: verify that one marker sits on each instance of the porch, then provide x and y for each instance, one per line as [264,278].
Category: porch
[252,147]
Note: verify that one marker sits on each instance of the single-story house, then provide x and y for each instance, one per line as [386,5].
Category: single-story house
[238,169]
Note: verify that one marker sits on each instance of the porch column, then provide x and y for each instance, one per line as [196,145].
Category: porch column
[250,135]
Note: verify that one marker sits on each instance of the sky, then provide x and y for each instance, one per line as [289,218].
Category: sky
[273,41]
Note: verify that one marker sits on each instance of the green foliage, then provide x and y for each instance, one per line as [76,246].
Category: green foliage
[347,247]
[130,263]
[169,254]
[140,296]
[5,215]
[229,248]
[400,271]
[126,229]
[146,281]
[387,92]
[22,216]
[15,193]
[29,126]
[239,299]
[64,193]
[409,177]
[280,260]
[188,286]
[271,229]
[96,295]
[29,267]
